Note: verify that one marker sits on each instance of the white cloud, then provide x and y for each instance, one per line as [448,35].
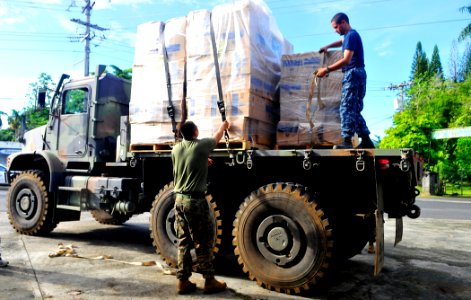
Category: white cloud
[14,90]
[384,49]
[107,4]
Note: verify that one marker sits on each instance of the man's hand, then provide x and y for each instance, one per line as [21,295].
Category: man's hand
[321,72]
[323,49]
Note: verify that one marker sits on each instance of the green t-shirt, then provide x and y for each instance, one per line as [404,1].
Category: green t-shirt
[190,164]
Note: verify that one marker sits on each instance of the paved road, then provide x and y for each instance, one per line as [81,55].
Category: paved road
[432,262]
[445,208]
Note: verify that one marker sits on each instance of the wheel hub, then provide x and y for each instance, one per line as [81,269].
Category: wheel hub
[278,239]
[170,227]
[26,203]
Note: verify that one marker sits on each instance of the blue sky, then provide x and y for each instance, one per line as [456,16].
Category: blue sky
[37,36]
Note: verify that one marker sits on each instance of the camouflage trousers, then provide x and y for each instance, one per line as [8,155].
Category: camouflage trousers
[351,105]
[194,228]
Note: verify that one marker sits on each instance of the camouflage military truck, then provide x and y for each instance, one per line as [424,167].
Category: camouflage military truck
[287,214]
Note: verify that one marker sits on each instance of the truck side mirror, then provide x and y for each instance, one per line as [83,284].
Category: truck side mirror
[41,99]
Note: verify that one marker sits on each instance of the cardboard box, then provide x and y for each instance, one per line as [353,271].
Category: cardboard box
[297,86]
[237,103]
[242,129]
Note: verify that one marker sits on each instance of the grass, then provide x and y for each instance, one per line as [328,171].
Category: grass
[457,191]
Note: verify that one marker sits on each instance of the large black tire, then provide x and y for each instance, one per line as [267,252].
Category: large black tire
[104,217]
[282,239]
[162,230]
[29,207]
[351,235]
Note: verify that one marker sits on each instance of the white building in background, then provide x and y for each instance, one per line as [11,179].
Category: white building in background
[7,148]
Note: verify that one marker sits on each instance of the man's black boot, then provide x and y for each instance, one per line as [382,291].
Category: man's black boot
[346,144]
[366,143]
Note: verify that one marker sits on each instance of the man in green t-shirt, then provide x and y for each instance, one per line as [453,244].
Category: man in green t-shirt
[193,222]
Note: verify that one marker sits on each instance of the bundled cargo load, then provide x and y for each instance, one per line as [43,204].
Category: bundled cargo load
[242,39]
[309,106]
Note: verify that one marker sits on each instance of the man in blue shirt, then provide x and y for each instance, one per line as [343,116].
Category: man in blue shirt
[353,84]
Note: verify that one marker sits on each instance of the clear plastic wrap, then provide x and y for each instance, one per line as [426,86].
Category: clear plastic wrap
[309,106]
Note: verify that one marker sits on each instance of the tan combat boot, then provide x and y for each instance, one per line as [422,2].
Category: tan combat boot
[211,286]
[185,287]
[3,263]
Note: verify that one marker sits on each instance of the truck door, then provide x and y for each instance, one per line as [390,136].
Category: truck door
[73,124]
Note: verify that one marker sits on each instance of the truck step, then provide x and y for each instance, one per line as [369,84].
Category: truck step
[68,207]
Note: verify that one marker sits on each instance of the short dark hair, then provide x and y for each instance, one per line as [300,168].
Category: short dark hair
[188,130]
[339,17]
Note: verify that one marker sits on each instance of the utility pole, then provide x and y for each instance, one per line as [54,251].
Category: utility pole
[87,37]
[400,87]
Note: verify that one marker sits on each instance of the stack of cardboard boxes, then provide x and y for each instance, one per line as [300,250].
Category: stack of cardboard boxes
[309,106]
[148,114]
[249,49]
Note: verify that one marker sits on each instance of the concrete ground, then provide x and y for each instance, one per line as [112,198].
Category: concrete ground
[432,262]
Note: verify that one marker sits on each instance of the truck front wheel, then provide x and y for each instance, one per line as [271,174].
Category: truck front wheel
[162,220]
[29,208]
[282,238]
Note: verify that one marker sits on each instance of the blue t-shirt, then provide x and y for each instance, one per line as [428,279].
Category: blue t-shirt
[352,42]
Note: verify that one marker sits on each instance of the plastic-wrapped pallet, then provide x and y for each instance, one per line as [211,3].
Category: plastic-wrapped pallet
[149,86]
[301,124]
[249,48]
[149,96]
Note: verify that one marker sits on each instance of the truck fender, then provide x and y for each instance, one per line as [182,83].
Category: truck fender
[45,161]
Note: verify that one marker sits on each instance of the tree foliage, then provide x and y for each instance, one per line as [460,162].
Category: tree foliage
[466,32]
[126,73]
[32,115]
[419,63]
[434,104]
[435,67]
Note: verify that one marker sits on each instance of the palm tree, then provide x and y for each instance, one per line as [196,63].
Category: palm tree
[2,114]
[466,32]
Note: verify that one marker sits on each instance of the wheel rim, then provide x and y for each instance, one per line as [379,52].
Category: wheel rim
[282,239]
[170,228]
[26,204]
[278,239]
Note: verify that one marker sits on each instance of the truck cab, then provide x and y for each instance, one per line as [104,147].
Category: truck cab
[63,162]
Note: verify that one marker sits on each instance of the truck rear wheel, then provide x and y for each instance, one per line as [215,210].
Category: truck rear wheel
[29,208]
[104,217]
[162,220]
[282,239]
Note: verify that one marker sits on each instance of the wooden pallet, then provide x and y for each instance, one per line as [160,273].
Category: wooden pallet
[150,147]
[304,146]
[167,147]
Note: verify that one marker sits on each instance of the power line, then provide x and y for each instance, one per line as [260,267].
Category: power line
[388,27]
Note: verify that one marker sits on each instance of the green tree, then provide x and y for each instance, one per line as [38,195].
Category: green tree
[126,73]
[435,67]
[44,83]
[465,67]
[419,63]
[433,104]
[2,114]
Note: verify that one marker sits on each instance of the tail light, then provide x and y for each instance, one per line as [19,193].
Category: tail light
[383,163]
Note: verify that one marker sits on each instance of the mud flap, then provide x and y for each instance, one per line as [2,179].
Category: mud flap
[399,230]
[379,256]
